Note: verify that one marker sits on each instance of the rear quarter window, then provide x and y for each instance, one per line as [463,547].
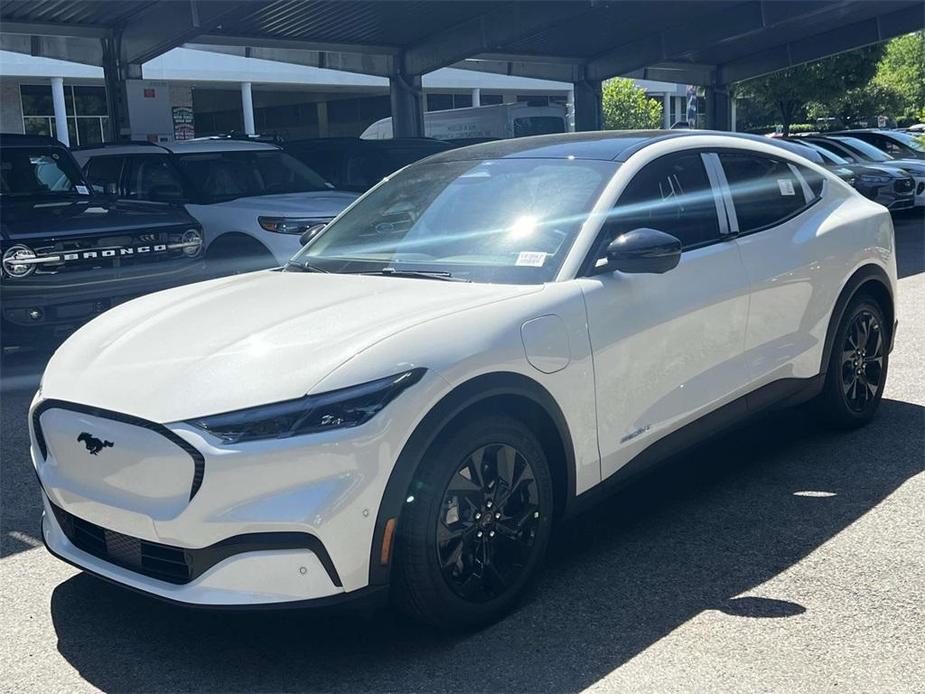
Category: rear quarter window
[767,191]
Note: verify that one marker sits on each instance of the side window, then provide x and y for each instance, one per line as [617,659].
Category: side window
[671,194]
[765,190]
[103,174]
[152,177]
[814,180]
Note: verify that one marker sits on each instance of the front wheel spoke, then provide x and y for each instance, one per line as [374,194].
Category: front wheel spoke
[871,388]
[878,342]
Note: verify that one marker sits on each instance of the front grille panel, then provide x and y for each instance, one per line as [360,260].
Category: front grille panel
[162,562]
[904,185]
[110,252]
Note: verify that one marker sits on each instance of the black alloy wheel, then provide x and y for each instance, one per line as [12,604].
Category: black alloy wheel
[474,530]
[488,523]
[862,361]
[858,366]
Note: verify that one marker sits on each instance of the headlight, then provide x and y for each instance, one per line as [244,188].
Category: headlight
[292,225]
[16,261]
[337,409]
[873,180]
[192,242]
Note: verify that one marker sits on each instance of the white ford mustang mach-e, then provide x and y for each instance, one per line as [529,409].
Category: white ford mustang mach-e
[456,362]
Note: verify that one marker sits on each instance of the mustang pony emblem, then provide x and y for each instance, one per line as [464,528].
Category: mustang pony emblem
[93,444]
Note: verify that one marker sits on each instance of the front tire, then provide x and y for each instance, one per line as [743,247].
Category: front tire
[857,366]
[477,529]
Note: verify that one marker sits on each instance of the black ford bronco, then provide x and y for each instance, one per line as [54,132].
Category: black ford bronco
[68,254]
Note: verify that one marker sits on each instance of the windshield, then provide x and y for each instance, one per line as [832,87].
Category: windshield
[826,154]
[228,175]
[42,171]
[908,141]
[508,220]
[538,125]
[866,150]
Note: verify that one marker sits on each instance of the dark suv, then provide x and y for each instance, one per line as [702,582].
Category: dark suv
[68,254]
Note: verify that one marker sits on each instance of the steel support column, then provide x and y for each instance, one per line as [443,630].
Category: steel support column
[247,108]
[718,107]
[116,97]
[57,100]
[588,109]
[407,101]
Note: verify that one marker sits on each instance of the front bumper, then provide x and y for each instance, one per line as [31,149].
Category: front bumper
[169,511]
[36,307]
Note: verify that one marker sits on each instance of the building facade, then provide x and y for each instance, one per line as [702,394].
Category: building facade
[188,92]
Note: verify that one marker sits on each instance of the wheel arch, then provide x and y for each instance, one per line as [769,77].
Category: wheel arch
[869,279]
[229,238]
[499,391]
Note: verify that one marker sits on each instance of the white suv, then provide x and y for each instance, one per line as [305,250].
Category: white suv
[461,359]
[254,200]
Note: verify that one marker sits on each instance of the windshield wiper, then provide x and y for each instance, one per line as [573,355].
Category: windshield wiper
[304,267]
[422,274]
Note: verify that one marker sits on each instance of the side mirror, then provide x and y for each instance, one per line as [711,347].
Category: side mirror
[311,233]
[642,251]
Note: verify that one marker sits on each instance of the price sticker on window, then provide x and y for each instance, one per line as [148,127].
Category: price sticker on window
[531,259]
[786,186]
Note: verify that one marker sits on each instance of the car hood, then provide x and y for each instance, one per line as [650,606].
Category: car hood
[876,170]
[242,341]
[913,166]
[323,204]
[44,218]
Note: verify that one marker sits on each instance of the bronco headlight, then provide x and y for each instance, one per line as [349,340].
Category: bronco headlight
[872,180]
[192,242]
[336,409]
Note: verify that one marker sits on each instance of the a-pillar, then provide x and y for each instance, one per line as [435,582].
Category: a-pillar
[57,100]
[588,109]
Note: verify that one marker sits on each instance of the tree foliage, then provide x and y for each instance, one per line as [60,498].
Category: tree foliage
[627,107]
[902,71]
[791,90]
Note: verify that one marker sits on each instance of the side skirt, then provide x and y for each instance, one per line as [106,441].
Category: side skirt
[786,392]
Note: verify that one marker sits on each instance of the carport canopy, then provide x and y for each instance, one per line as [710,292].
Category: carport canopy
[713,43]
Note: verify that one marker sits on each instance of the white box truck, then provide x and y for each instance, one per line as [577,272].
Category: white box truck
[497,121]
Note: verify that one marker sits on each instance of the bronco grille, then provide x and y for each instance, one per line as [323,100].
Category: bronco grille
[59,256]
[158,561]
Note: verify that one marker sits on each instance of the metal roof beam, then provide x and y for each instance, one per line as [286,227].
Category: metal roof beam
[840,40]
[364,64]
[72,49]
[294,44]
[678,73]
[557,72]
[709,30]
[166,25]
[488,33]
[84,31]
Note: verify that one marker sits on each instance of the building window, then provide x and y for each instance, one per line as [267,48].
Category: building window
[87,117]
[491,99]
[445,102]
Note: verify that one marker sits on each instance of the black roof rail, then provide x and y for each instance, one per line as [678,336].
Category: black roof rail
[126,143]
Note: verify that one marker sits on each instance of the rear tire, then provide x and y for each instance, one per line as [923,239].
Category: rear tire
[476,532]
[858,366]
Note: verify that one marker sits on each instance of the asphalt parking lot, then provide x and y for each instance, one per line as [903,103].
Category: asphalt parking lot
[781,557]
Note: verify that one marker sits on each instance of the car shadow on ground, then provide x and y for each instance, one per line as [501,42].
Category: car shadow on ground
[692,536]
[910,242]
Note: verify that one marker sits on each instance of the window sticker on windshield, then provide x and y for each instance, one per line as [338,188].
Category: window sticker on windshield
[531,259]
[83,190]
[786,186]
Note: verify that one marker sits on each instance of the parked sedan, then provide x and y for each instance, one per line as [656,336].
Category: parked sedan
[893,188]
[895,143]
[860,152]
[474,350]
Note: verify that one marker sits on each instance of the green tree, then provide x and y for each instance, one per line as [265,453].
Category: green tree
[902,70]
[861,103]
[789,91]
[627,107]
